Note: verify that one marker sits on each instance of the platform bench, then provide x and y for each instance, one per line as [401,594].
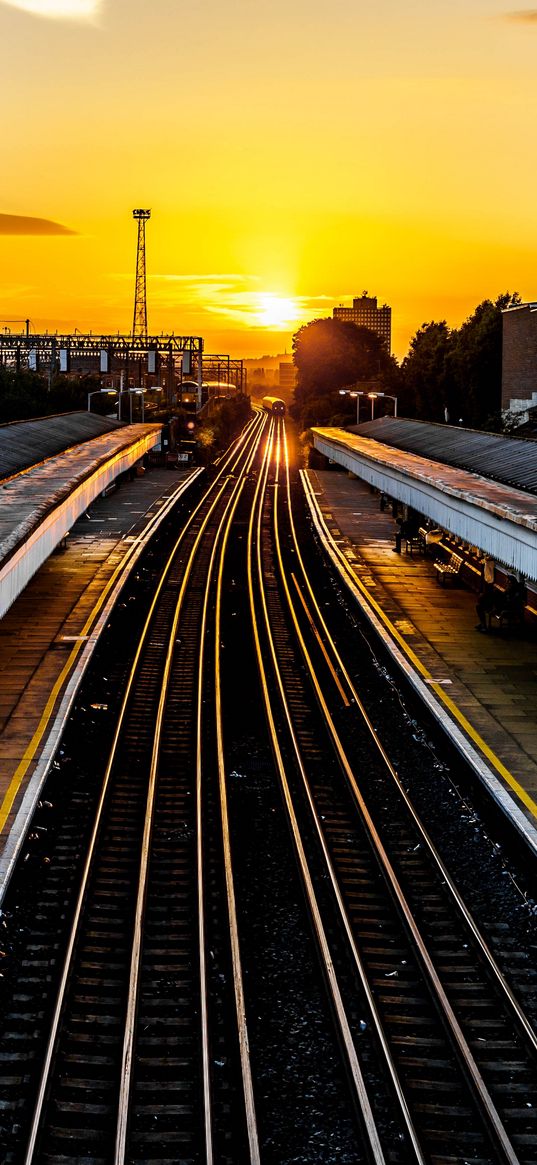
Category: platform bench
[415,542]
[507,619]
[448,570]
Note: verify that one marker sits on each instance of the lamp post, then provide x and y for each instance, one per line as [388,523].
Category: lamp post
[100,392]
[130,392]
[353,393]
[124,392]
[394,398]
[140,392]
[373,396]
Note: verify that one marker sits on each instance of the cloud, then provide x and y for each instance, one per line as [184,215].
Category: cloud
[524,16]
[58,9]
[238,298]
[21,224]
[209,278]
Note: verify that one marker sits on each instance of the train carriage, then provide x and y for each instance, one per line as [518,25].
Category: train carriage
[274,404]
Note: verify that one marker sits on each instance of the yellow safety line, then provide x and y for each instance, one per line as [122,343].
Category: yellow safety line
[30,751]
[32,747]
[437,688]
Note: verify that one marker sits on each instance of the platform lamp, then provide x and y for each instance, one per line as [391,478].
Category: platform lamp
[373,396]
[139,392]
[101,392]
[354,393]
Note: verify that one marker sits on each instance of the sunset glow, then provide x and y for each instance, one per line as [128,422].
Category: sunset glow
[281,183]
[277,312]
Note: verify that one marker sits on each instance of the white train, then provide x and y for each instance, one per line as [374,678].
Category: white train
[274,404]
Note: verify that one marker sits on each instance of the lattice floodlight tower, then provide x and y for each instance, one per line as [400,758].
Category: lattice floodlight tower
[139,327]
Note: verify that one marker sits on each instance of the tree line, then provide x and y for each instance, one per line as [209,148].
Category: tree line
[449,374]
[25,394]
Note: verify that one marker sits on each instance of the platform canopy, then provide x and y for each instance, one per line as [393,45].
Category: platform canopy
[511,460]
[498,519]
[25,443]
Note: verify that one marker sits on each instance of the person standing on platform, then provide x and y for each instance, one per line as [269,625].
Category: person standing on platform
[486,602]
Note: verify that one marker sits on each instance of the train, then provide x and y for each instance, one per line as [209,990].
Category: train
[188,392]
[274,404]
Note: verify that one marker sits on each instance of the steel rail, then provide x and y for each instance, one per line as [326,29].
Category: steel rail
[254,428]
[343,913]
[226,519]
[496,1127]
[240,1006]
[132,1000]
[358,1082]
[488,957]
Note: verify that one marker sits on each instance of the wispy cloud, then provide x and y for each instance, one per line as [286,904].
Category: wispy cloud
[85,10]
[217,277]
[524,16]
[21,224]
[242,300]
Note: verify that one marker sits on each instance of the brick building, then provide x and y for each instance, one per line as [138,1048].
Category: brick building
[519,358]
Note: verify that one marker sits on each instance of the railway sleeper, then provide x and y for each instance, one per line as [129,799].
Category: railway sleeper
[166,1063]
[164,1110]
[80,1159]
[87,1060]
[166,1087]
[79,1111]
[438,1086]
[156,1136]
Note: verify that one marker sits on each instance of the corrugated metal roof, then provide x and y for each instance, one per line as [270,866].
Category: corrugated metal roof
[39,505]
[25,443]
[495,516]
[506,459]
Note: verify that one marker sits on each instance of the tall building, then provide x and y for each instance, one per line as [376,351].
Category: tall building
[287,376]
[366,314]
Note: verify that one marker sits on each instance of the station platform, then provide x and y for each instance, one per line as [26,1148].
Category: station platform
[49,633]
[40,502]
[485,685]
[495,515]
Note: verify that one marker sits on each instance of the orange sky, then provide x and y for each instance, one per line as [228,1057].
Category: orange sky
[293,154]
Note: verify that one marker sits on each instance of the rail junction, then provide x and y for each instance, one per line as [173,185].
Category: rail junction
[232,928]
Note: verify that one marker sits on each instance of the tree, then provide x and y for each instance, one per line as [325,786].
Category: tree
[330,354]
[476,360]
[426,372]
[25,394]
[461,369]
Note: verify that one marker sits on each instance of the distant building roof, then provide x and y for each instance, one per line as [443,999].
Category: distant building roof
[25,443]
[506,459]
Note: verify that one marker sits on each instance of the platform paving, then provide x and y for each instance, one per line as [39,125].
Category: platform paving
[492,677]
[56,603]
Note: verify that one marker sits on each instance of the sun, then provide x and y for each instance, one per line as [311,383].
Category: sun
[276,311]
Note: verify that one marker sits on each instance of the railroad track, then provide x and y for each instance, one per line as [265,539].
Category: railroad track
[143,1059]
[459,1053]
[261,962]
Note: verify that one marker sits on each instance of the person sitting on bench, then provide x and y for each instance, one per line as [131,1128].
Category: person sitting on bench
[511,603]
[507,604]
